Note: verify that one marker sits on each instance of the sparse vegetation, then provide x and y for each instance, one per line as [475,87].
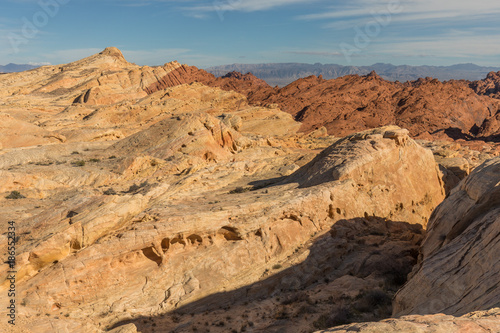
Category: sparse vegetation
[277,266]
[134,188]
[109,191]
[94,160]
[44,163]
[14,195]
[341,317]
[112,157]
[75,153]
[371,300]
[78,163]
[239,190]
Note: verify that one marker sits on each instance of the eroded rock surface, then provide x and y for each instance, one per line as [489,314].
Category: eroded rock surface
[150,201]
[458,270]
[474,322]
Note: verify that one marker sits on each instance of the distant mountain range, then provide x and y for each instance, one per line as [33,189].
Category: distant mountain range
[11,68]
[282,74]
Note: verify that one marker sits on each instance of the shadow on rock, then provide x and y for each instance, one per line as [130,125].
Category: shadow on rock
[348,274]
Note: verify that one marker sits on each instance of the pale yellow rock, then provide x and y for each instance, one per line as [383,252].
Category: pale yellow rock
[459,268]
[476,322]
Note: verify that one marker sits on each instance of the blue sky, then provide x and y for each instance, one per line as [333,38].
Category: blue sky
[215,32]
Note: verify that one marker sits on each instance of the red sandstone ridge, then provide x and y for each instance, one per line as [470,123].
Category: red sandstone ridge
[427,107]
[183,74]
[490,86]
[242,83]
[343,105]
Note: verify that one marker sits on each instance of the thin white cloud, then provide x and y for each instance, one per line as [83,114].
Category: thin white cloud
[201,6]
[459,45]
[445,29]
[410,10]
[243,5]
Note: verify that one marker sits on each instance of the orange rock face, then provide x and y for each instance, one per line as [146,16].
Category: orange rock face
[490,86]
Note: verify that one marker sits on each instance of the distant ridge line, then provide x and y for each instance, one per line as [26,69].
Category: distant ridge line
[282,74]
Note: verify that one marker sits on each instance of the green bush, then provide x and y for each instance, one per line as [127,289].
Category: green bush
[14,195]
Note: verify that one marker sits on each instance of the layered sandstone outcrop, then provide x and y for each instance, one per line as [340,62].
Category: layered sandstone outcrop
[458,269]
[175,239]
[474,322]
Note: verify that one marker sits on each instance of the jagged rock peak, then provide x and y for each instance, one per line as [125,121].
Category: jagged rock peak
[493,75]
[113,52]
[374,74]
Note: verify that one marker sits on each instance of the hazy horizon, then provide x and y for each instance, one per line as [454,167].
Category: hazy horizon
[221,32]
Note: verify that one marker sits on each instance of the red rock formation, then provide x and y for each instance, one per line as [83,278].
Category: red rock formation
[428,108]
[181,75]
[490,86]
[242,83]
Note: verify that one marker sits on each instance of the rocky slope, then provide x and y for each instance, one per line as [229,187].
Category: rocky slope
[458,268]
[145,201]
[430,109]
[454,287]
[490,86]
[427,108]
[157,246]
[474,322]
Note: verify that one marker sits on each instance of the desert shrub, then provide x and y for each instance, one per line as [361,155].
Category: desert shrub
[239,190]
[75,153]
[14,195]
[44,163]
[94,160]
[277,266]
[109,191]
[282,314]
[78,163]
[133,188]
[371,300]
[306,309]
[297,298]
[341,317]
